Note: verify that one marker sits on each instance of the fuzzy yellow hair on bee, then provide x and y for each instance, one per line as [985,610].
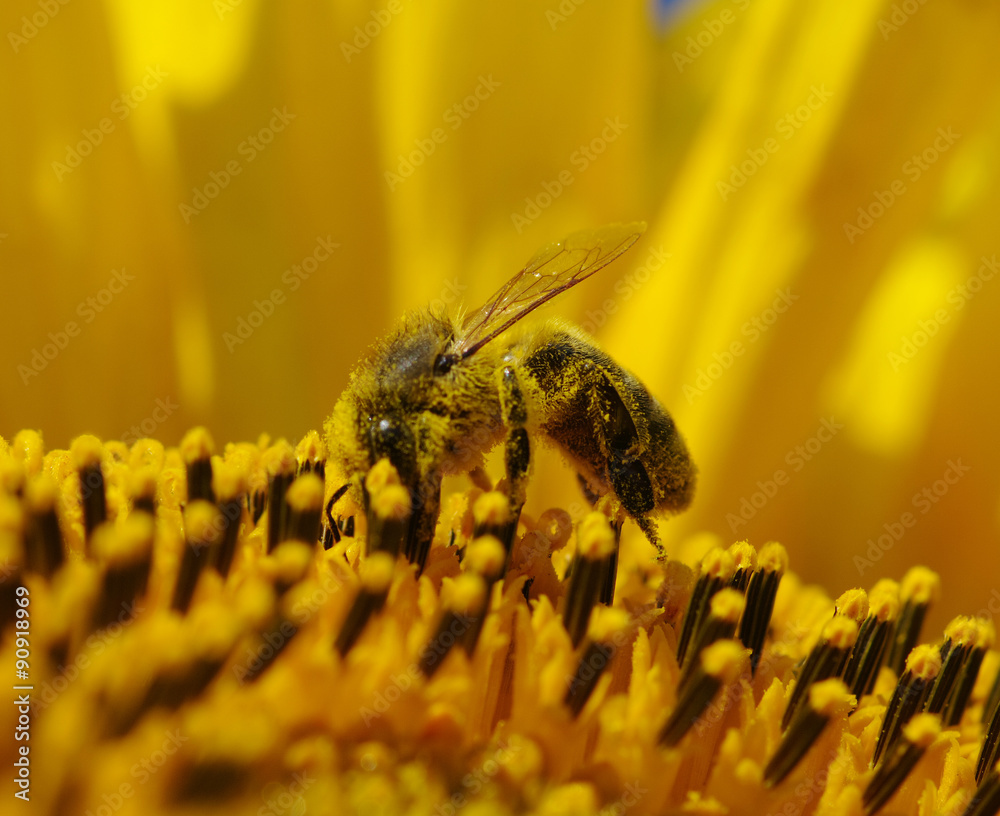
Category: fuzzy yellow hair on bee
[440,392]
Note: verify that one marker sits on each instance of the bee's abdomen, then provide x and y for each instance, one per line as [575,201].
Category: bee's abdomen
[582,410]
[620,438]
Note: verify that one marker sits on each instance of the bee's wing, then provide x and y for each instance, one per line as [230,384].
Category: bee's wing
[554,269]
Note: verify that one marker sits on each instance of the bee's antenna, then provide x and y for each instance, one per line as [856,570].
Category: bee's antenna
[338,494]
[332,526]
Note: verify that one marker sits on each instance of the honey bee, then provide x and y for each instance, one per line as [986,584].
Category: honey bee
[440,392]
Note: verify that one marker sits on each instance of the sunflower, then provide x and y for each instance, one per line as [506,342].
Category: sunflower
[209,210]
[191,633]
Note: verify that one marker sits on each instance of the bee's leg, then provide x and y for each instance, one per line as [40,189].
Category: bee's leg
[481,479]
[652,536]
[420,534]
[634,490]
[413,534]
[391,439]
[517,449]
[607,595]
[591,497]
[628,476]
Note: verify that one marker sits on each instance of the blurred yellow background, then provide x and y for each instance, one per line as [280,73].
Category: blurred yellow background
[208,210]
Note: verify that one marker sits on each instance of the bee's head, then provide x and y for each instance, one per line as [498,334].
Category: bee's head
[405,361]
[401,387]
